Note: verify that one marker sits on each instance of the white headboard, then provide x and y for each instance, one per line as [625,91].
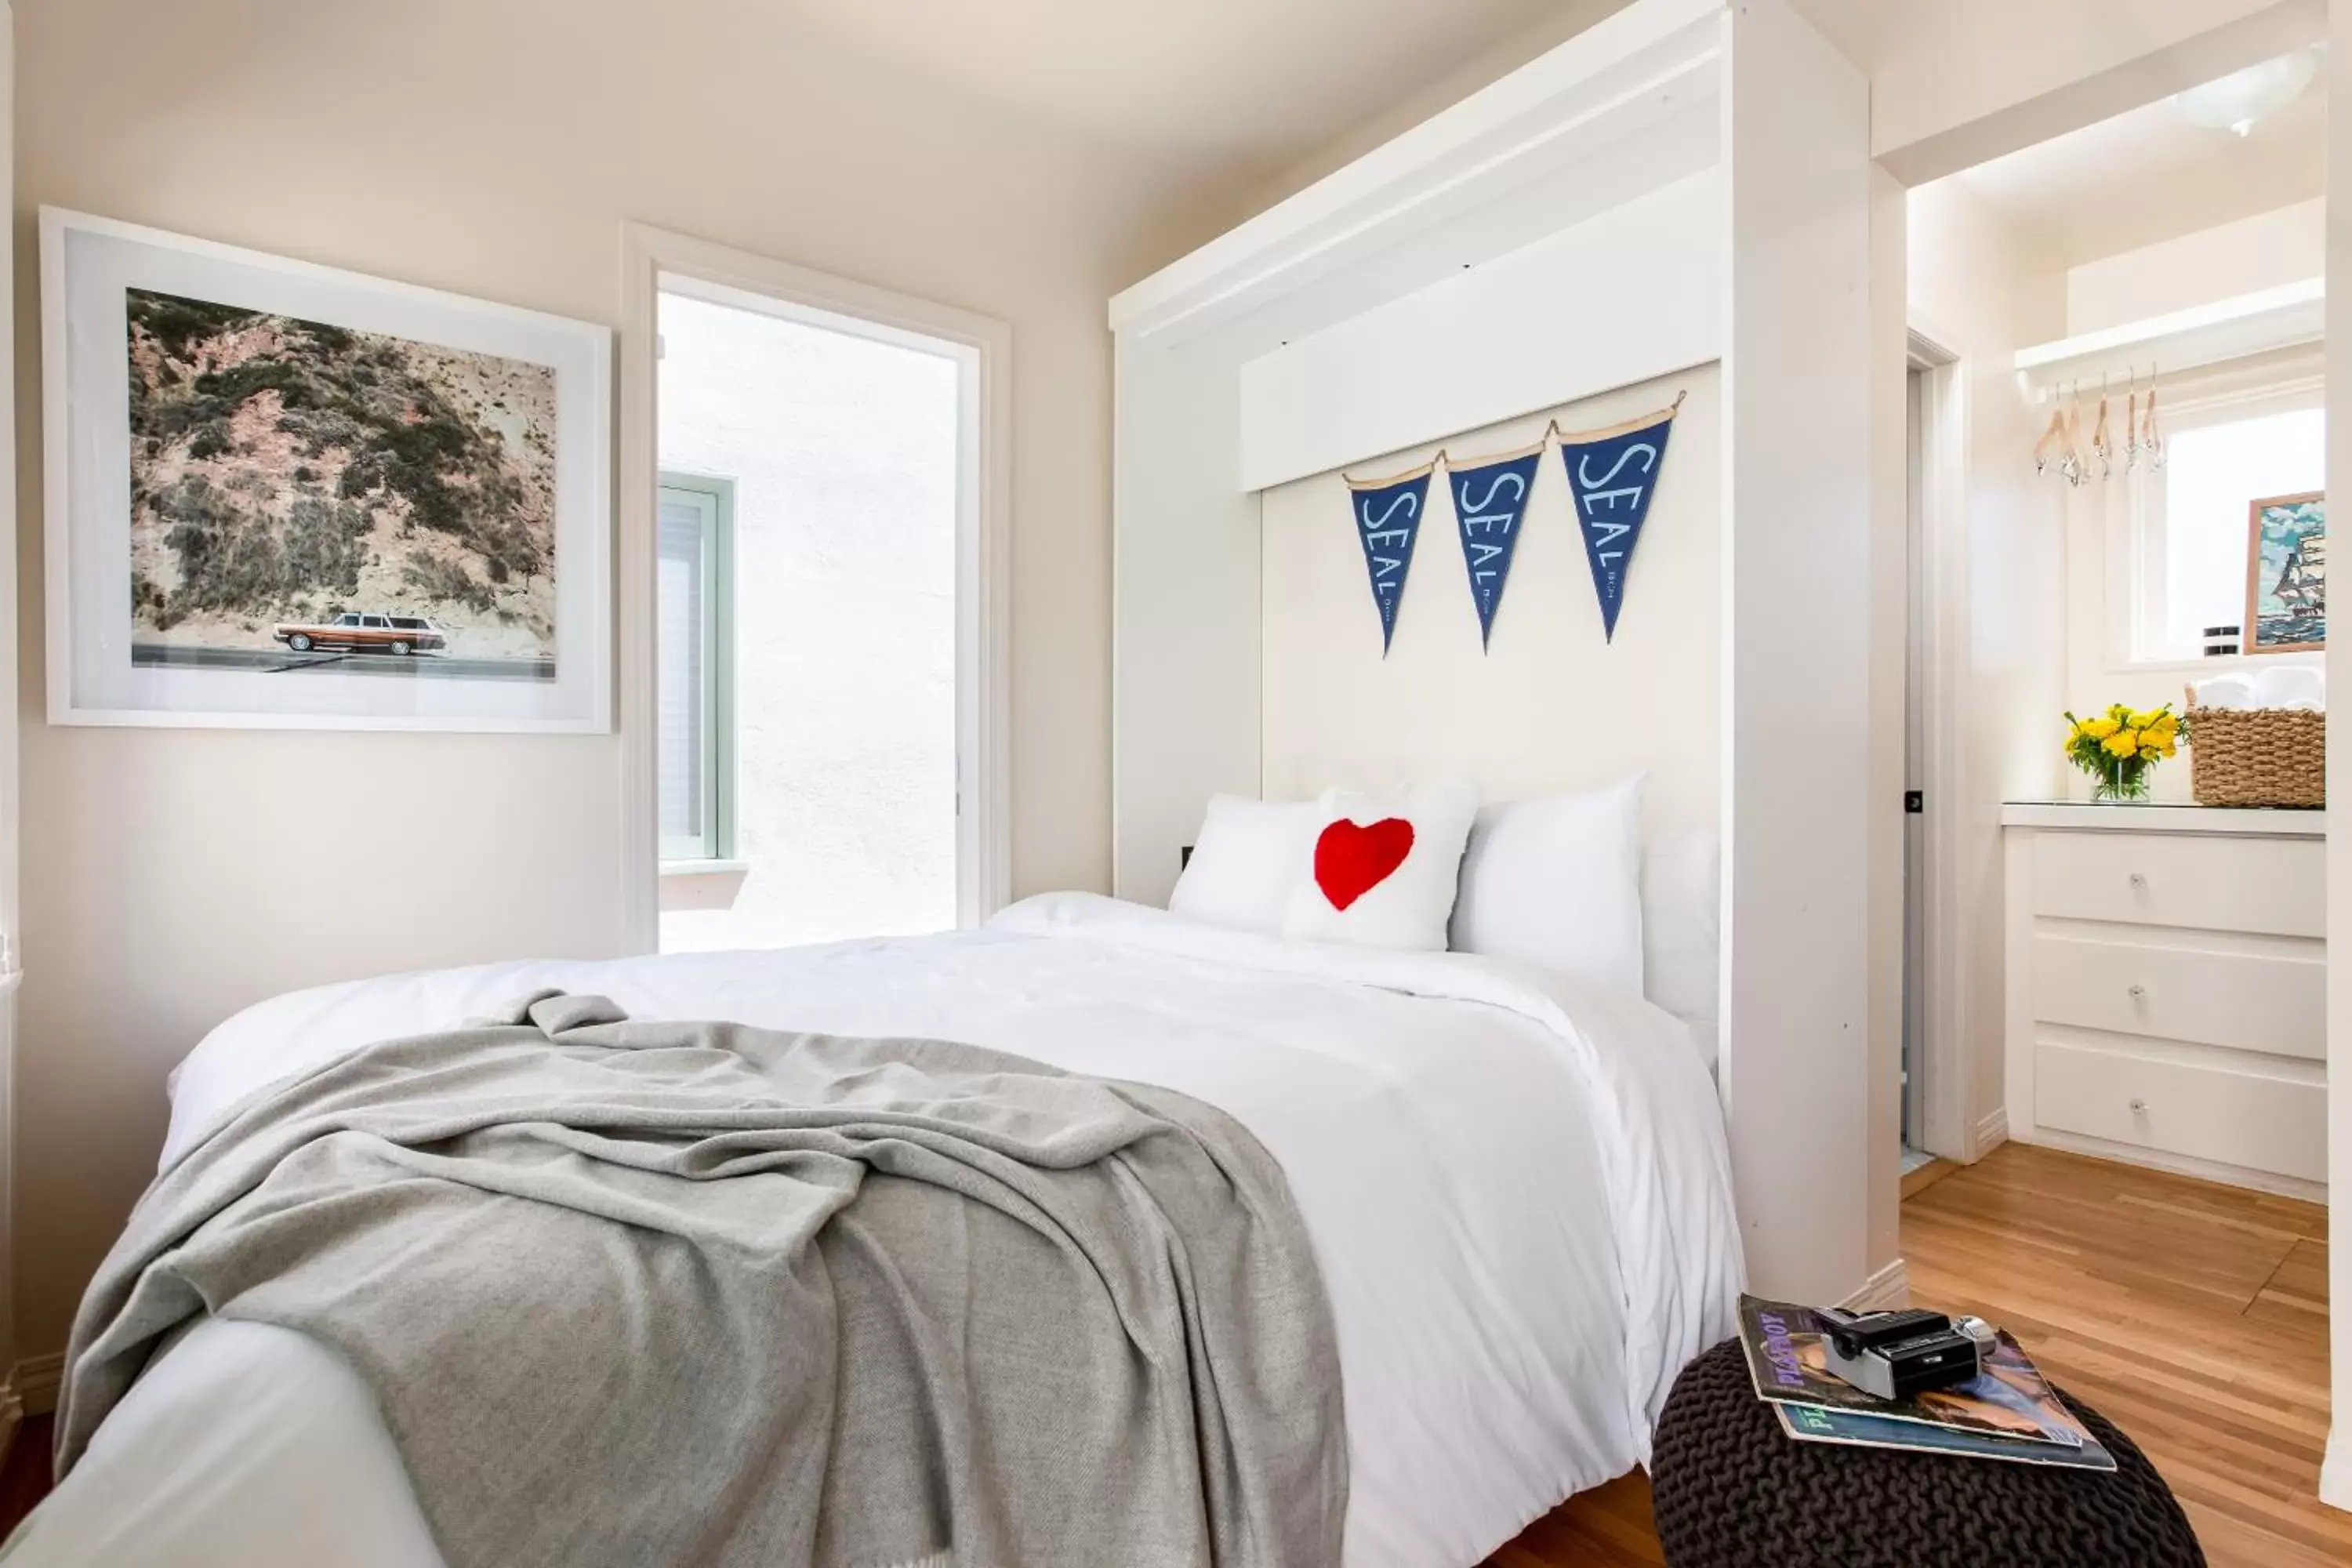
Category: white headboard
[1549,705]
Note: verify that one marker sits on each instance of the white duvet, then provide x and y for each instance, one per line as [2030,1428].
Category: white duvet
[1518,1194]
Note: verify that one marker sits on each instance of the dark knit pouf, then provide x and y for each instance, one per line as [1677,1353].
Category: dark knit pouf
[1732,1490]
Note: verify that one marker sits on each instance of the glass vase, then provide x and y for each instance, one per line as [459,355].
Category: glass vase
[2120,784]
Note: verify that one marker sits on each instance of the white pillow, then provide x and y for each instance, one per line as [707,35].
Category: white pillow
[1382,869]
[1682,917]
[1556,883]
[1247,863]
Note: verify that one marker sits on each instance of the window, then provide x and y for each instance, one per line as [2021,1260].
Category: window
[864,435]
[696,657]
[2188,558]
[845,444]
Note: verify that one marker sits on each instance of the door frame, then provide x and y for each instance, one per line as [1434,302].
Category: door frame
[654,261]
[1947,949]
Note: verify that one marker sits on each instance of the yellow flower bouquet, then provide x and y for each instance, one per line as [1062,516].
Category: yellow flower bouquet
[2120,747]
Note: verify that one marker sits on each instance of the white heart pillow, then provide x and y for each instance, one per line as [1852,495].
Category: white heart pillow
[1382,868]
[1556,883]
[1247,863]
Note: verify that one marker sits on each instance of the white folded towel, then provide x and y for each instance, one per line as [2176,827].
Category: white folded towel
[2300,686]
[2226,691]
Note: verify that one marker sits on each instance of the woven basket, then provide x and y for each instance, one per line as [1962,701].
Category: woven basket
[2258,756]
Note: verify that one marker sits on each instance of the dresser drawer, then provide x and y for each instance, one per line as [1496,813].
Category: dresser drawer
[2249,1119]
[2233,883]
[2252,1001]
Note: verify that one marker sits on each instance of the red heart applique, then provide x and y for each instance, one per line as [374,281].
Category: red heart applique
[1350,861]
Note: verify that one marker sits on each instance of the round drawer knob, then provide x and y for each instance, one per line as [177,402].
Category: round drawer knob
[2139,881]
[2139,993]
[2139,1108]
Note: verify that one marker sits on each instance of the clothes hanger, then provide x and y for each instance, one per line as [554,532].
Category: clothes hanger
[2044,450]
[2152,436]
[2070,463]
[2102,446]
[2131,424]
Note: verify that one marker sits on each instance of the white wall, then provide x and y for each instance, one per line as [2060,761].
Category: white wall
[1795,1061]
[1890,544]
[10,901]
[1976,288]
[2336,1474]
[1551,704]
[2271,248]
[843,454]
[495,150]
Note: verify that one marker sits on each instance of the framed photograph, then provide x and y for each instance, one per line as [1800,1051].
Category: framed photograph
[288,497]
[2286,575]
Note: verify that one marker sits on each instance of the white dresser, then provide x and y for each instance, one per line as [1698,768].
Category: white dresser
[2167,976]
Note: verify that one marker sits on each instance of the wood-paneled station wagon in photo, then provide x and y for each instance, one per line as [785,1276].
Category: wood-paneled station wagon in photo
[354,631]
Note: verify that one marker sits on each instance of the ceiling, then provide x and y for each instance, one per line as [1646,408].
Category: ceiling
[1231,96]
[1246,81]
[1234,91]
[2150,175]
[1866,31]
[1241,100]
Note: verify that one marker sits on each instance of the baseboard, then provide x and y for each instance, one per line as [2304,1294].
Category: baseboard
[1992,1132]
[2336,1470]
[1884,1291]
[36,1381]
[12,1420]
[2182,1165]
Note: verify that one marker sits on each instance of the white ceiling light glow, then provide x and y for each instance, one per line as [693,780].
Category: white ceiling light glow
[2237,102]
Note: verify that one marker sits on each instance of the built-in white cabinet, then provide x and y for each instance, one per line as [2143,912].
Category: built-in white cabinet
[1683,183]
[2168,988]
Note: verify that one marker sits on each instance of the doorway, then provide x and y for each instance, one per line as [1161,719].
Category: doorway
[1915,947]
[1935,953]
[816,473]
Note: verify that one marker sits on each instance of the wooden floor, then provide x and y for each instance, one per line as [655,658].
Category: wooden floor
[2194,1317]
[24,1478]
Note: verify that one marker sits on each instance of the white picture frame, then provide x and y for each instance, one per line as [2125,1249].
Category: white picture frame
[543,668]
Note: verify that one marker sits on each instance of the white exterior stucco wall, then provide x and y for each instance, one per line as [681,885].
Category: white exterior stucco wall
[842,451]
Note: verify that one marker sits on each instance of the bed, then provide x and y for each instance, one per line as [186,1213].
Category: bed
[1517,1190]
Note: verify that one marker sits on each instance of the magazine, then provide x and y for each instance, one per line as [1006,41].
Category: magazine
[2009,1399]
[1811,1424]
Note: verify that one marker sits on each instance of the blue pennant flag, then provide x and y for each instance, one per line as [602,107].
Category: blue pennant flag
[1612,473]
[1489,499]
[1387,519]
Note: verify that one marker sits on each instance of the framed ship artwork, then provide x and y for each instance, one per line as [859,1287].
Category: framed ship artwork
[2286,574]
[281,496]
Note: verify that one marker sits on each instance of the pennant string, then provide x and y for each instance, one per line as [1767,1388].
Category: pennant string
[1445,458]
[1623,427]
[1405,477]
[1531,449]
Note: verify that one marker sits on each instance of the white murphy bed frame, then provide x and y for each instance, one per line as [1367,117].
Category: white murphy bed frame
[1687,182]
